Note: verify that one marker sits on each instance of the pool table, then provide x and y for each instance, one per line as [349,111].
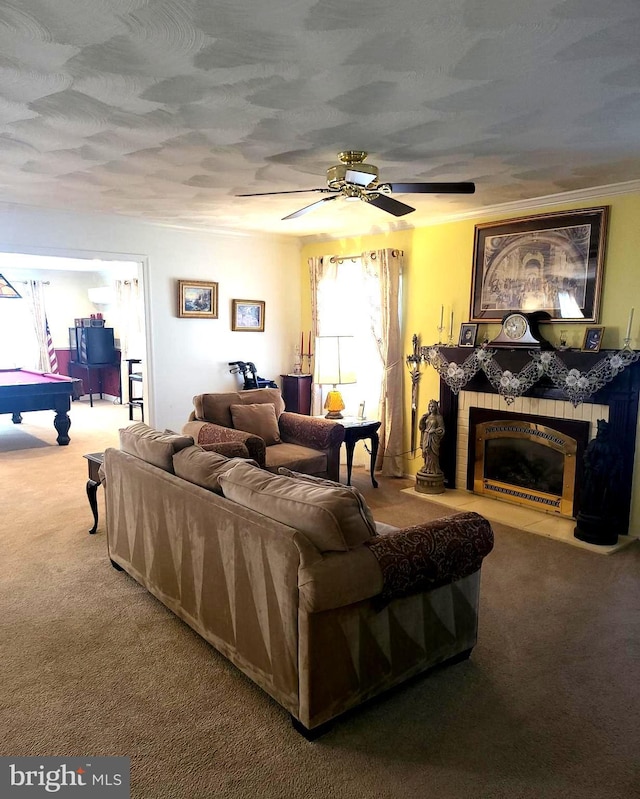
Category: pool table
[24,390]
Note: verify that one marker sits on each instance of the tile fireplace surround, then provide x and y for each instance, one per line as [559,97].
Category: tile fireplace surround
[617,402]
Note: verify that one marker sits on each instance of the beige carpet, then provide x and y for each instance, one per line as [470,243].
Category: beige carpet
[548,705]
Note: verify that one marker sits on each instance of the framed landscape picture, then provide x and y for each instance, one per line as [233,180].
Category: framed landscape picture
[197,299]
[247,315]
[552,262]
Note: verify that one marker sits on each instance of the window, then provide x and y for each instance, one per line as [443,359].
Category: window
[346,296]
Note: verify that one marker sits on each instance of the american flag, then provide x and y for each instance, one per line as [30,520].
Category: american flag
[53,358]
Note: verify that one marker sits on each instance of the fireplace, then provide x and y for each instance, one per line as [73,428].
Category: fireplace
[527,459]
[617,402]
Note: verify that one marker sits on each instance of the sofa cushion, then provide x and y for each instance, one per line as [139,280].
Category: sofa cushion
[343,491]
[257,418]
[296,457]
[151,445]
[203,468]
[331,519]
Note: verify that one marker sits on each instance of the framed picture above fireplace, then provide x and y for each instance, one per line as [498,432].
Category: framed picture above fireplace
[550,262]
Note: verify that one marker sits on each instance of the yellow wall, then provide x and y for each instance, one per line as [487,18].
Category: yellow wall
[438,267]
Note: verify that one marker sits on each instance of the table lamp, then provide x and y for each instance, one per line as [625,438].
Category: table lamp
[7,290]
[335,359]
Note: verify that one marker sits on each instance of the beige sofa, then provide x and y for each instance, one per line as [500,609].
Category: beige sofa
[273,437]
[282,574]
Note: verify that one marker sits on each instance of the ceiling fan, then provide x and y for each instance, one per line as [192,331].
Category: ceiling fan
[355,180]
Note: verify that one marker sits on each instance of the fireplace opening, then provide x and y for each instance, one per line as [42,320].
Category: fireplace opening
[524,463]
[529,460]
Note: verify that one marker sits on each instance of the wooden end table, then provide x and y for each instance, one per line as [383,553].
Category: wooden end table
[95,460]
[357,430]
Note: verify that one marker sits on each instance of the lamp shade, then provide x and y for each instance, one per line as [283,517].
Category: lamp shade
[335,360]
[7,290]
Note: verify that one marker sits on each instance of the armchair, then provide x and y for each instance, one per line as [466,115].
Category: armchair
[297,442]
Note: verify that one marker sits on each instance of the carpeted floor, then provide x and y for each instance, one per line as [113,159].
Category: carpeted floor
[547,706]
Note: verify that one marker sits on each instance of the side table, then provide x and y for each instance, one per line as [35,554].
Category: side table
[358,430]
[94,462]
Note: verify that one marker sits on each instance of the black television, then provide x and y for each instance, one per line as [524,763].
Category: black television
[92,345]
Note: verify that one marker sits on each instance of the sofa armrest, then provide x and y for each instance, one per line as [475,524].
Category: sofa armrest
[432,554]
[395,564]
[207,434]
[230,449]
[296,428]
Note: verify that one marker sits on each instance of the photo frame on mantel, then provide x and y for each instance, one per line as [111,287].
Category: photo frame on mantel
[550,262]
[197,299]
[468,332]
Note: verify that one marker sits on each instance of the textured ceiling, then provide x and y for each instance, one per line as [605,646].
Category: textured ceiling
[165,109]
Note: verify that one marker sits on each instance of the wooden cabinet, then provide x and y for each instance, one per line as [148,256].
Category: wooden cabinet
[296,393]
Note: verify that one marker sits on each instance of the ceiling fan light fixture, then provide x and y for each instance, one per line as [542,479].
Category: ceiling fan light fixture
[338,174]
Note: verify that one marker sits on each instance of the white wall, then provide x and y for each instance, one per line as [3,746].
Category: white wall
[185,356]
[66,297]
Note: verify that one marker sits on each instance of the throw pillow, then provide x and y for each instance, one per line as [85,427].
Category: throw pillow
[341,490]
[151,445]
[259,419]
[204,468]
[331,520]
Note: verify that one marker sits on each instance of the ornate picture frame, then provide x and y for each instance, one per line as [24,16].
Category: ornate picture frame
[468,332]
[197,299]
[550,262]
[247,315]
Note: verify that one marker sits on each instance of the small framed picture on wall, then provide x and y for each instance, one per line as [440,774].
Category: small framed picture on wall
[247,315]
[468,331]
[197,299]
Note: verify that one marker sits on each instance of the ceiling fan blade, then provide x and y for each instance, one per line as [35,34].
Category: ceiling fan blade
[308,208]
[388,204]
[432,188]
[293,191]
[359,178]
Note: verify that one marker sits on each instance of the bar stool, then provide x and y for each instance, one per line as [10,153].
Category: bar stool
[135,401]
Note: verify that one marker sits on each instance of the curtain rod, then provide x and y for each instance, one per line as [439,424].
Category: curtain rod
[44,282]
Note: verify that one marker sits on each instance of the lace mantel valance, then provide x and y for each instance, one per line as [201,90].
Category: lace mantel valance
[575,384]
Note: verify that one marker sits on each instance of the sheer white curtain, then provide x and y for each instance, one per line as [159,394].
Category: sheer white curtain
[316,274]
[35,298]
[384,268]
[129,317]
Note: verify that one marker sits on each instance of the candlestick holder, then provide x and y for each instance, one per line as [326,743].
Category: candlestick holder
[627,344]
[440,332]
[308,356]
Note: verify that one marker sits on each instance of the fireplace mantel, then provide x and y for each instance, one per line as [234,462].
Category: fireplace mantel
[621,395]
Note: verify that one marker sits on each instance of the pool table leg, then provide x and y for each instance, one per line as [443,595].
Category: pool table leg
[62,423]
[16,417]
